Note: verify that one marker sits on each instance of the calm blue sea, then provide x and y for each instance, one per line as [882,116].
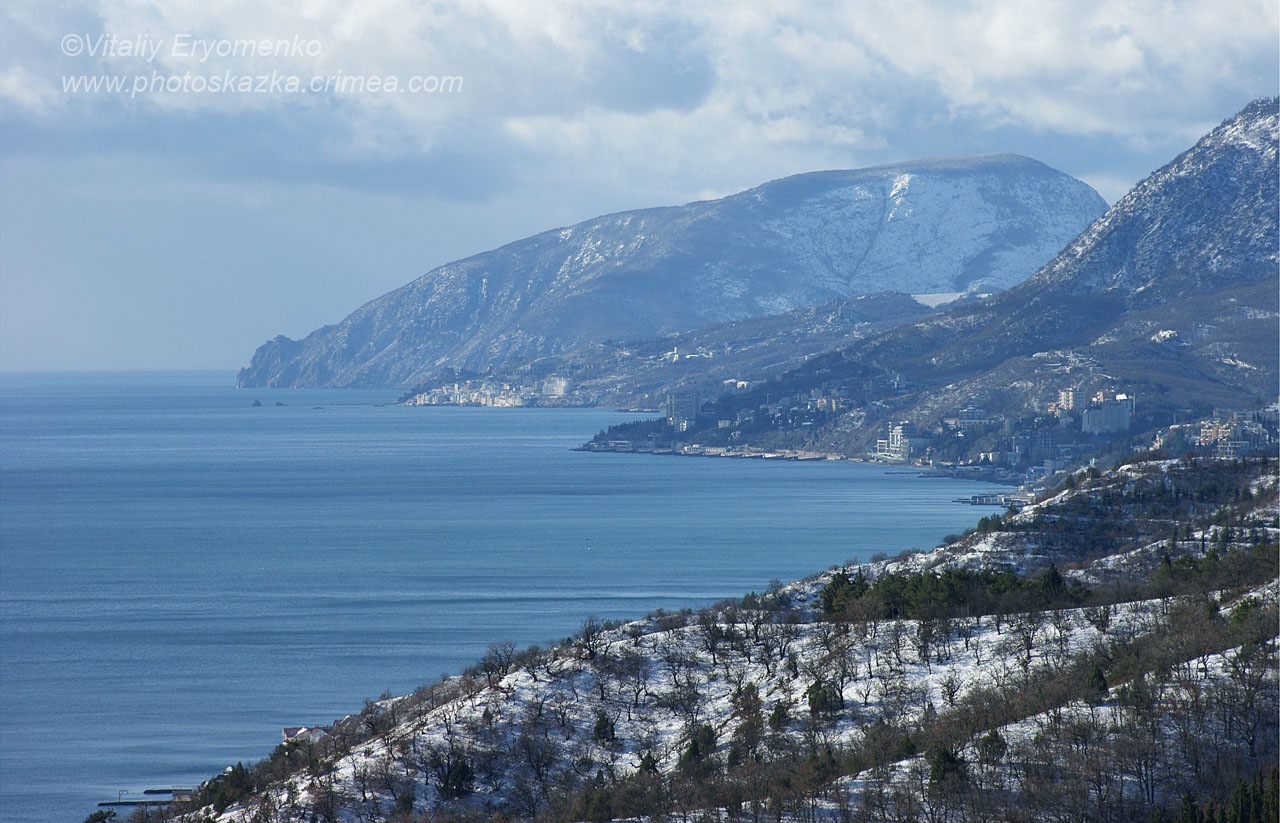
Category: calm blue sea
[182,574]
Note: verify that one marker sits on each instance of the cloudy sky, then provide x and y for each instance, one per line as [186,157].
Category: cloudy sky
[177,223]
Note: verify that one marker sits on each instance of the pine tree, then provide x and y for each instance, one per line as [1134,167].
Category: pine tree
[1189,812]
[991,748]
[1096,688]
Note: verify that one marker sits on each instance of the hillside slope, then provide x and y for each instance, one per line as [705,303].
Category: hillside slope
[778,701]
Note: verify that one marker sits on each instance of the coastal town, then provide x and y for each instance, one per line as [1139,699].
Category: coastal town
[1022,447]
[1025,450]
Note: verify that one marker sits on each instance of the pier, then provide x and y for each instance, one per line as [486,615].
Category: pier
[153,800]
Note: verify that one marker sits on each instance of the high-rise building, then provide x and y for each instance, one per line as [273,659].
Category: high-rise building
[682,410]
[1041,446]
[1108,415]
[903,441]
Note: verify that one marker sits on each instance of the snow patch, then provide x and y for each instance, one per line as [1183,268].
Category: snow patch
[937,299]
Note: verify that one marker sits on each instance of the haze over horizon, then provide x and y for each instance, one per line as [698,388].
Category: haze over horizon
[170,226]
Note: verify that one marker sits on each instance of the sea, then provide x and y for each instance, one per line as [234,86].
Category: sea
[183,572]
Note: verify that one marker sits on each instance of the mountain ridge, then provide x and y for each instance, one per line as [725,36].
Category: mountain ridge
[949,224]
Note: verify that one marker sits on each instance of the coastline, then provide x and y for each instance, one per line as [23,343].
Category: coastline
[798,455]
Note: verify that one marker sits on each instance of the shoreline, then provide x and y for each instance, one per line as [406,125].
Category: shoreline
[799,455]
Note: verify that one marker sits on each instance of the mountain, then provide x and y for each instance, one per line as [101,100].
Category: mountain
[1201,224]
[929,226]
[1171,294]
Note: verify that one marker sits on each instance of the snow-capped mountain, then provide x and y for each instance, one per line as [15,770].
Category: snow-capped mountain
[968,224]
[1204,223]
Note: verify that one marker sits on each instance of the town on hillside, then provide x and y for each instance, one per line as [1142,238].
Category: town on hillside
[1030,448]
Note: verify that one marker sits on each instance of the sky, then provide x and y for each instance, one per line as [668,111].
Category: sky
[265,169]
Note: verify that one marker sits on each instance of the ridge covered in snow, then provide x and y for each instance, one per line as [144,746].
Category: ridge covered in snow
[968,224]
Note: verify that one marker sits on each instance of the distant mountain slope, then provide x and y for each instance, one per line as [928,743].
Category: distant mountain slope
[922,226]
[644,373]
[639,374]
[1175,287]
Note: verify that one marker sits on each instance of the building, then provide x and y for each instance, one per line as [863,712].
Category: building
[902,443]
[828,404]
[1041,446]
[1070,399]
[1211,431]
[555,386]
[1230,449]
[304,733]
[1107,415]
[967,418]
[1233,436]
[682,410]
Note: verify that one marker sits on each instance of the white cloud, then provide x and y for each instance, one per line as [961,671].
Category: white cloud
[21,89]
[1079,67]
[669,99]
[698,96]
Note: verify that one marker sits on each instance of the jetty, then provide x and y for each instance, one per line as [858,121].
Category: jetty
[170,795]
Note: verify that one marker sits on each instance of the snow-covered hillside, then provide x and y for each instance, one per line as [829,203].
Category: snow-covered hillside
[682,697]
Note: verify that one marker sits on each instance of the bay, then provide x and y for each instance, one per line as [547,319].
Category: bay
[182,573]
